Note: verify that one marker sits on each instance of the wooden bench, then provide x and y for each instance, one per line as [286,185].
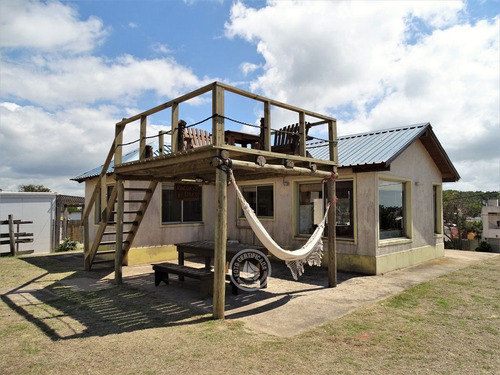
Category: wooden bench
[205,276]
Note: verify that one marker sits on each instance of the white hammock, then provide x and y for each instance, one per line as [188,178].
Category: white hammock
[311,253]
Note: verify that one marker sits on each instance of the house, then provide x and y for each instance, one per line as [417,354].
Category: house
[389,208]
[42,209]
[490,215]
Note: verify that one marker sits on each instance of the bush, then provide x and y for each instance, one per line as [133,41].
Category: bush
[484,246]
[67,245]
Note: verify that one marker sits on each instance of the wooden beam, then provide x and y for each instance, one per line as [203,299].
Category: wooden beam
[161,107]
[218,122]
[142,138]
[280,169]
[332,140]
[174,131]
[220,239]
[332,235]
[302,134]
[119,232]
[275,103]
[86,244]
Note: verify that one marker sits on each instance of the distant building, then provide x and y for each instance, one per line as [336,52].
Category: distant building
[491,224]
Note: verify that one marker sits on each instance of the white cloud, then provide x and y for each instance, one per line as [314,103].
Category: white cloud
[133,25]
[376,66]
[49,26]
[247,67]
[54,81]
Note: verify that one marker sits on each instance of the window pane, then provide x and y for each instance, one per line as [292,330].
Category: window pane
[171,207]
[250,195]
[344,192]
[308,193]
[192,209]
[391,209]
[265,201]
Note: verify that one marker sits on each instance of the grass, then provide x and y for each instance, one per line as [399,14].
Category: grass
[450,325]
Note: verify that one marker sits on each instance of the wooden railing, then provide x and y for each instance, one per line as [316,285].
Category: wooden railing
[15,237]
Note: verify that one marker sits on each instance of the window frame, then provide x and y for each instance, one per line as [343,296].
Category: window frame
[170,186]
[241,216]
[352,180]
[437,208]
[407,234]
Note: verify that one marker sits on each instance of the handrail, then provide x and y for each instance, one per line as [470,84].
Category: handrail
[105,167]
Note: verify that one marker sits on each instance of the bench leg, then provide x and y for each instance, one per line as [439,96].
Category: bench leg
[160,276]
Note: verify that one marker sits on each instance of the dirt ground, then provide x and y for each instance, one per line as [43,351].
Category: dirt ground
[50,324]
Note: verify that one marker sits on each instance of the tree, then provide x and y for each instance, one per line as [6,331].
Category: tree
[33,188]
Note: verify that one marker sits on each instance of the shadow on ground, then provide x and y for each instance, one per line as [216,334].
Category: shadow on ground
[85,304]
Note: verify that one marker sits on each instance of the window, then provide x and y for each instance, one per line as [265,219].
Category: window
[437,209]
[392,209]
[261,199]
[178,209]
[312,203]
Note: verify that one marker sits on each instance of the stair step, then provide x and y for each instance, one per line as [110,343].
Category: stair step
[114,233]
[124,223]
[130,212]
[103,243]
[147,190]
[135,201]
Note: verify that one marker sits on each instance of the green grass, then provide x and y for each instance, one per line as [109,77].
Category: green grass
[446,326]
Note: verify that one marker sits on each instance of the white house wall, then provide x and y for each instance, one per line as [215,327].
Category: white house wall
[36,207]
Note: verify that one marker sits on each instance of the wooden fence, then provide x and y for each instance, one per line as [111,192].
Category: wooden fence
[15,237]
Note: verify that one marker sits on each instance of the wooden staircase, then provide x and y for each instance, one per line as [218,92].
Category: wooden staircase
[133,212]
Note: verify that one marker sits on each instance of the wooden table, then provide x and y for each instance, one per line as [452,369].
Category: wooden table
[206,250]
[244,139]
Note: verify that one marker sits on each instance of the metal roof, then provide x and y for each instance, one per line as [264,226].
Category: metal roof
[372,148]
[131,156]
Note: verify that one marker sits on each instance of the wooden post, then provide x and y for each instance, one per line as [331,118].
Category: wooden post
[142,138]
[161,142]
[119,232]
[267,127]
[332,236]
[218,122]
[11,236]
[332,214]
[118,141]
[220,244]
[302,134]
[86,244]
[104,202]
[220,236]
[174,131]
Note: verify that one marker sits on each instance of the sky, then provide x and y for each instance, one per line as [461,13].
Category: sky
[69,70]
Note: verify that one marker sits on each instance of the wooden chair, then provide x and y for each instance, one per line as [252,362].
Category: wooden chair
[193,138]
[287,139]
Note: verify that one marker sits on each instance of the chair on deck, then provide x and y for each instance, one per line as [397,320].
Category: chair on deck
[287,139]
[192,137]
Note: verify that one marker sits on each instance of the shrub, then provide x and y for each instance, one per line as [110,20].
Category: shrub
[67,245]
[484,246]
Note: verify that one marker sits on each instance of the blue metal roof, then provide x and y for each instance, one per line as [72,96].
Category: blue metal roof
[380,147]
[131,156]
[371,148]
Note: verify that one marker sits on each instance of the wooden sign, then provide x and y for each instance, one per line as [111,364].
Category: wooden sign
[187,192]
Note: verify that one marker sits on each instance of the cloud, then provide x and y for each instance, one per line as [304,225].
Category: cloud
[375,66]
[55,81]
[248,67]
[38,145]
[49,26]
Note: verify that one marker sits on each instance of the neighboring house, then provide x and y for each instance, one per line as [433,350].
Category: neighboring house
[389,208]
[491,224]
[45,210]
